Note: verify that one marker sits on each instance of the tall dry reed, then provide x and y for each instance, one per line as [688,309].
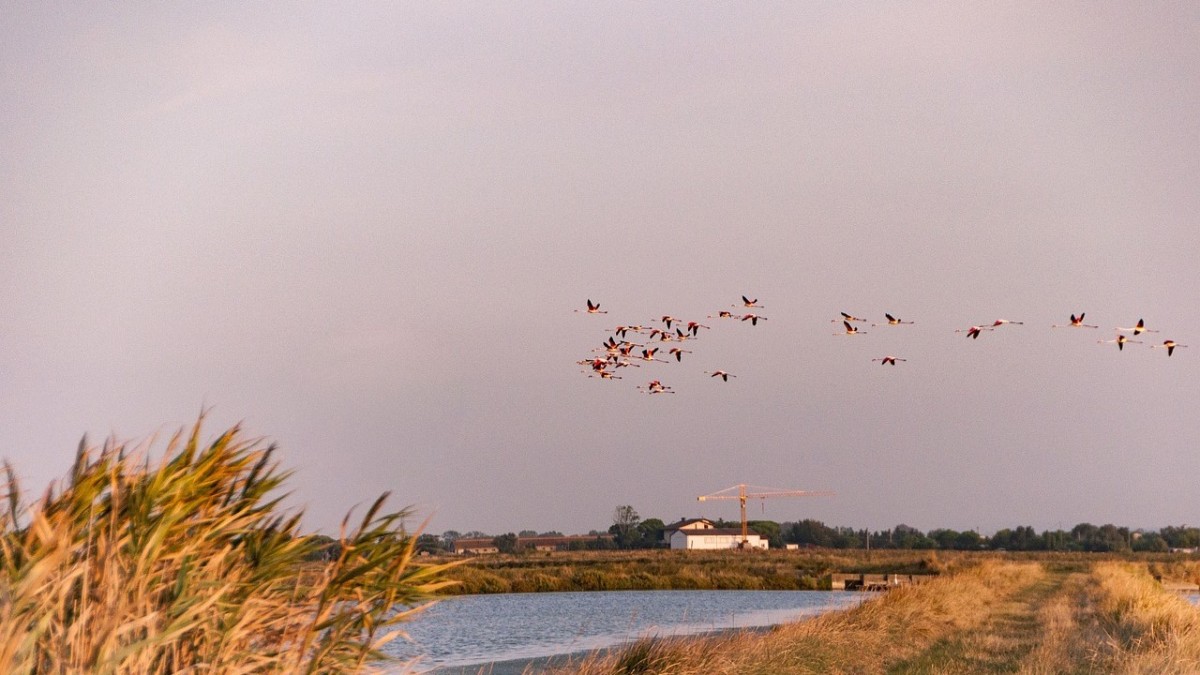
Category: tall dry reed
[189,566]
[1143,628]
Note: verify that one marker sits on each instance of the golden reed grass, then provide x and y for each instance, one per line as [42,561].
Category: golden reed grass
[1142,628]
[188,566]
[865,639]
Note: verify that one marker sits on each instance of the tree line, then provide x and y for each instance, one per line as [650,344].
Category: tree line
[630,531]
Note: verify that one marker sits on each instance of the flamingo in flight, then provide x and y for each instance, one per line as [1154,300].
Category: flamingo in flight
[891,321]
[648,355]
[851,330]
[753,319]
[973,332]
[747,302]
[1170,345]
[1076,322]
[667,319]
[1139,328]
[888,360]
[1121,340]
[721,314]
[847,317]
[605,375]
[720,373]
[593,308]
[678,353]
[1001,322]
[694,327]
[656,387]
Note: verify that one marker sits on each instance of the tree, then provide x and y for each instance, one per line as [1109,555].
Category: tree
[1151,541]
[448,539]
[650,532]
[527,533]
[624,527]
[429,543]
[769,530]
[1181,536]
[968,540]
[944,538]
[809,532]
[506,543]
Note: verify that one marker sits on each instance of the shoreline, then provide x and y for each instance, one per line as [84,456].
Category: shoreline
[539,664]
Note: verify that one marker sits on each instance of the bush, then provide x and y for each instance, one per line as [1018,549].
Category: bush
[190,566]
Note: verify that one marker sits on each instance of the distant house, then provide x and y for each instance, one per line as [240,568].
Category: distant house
[703,534]
[714,539]
[475,545]
[686,524]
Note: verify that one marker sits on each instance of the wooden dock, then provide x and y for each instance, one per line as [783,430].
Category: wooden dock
[875,582]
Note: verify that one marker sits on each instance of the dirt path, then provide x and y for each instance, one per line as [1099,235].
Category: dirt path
[1023,635]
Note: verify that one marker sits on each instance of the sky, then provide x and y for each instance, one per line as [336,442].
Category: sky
[363,230]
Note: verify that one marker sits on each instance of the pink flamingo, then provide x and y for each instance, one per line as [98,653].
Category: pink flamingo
[648,355]
[851,330]
[973,332]
[593,308]
[1076,322]
[656,387]
[888,360]
[1169,344]
[891,321]
[1121,340]
[847,317]
[753,319]
[1139,328]
[678,353]
[721,374]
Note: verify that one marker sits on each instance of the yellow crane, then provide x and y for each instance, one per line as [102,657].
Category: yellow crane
[762,493]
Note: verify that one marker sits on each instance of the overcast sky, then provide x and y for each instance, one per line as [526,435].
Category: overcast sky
[364,230]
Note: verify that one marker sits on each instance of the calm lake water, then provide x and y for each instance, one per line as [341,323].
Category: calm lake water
[478,629]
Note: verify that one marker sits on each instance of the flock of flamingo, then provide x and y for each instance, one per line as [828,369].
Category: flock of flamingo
[612,355]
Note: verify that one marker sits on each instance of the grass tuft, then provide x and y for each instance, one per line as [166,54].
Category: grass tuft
[189,565]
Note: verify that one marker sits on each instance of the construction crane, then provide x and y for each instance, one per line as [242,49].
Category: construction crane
[762,493]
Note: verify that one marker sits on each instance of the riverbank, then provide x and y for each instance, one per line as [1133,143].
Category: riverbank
[681,570]
[561,662]
[479,629]
[808,569]
[994,616]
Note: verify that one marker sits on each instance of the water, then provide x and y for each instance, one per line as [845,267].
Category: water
[478,629]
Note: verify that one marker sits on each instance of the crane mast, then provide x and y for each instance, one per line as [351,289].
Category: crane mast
[742,495]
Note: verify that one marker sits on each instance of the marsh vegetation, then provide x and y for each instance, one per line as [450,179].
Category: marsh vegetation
[997,614]
[189,564]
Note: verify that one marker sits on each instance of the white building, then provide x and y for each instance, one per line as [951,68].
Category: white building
[702,534]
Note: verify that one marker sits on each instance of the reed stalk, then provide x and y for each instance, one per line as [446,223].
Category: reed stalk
[189,565]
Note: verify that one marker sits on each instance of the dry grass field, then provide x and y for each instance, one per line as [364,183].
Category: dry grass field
[984,615]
